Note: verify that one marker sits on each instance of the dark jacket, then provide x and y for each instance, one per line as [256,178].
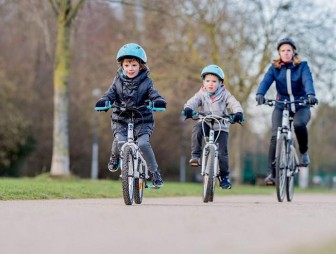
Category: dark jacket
[132,93]
[301,82]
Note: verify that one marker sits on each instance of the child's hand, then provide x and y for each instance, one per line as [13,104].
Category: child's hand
[159,103]
[238,117]
[188,112]
[102,103]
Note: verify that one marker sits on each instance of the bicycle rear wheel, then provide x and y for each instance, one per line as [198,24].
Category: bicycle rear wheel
[280,167]
[208,178]
[139,186]
[127,173]
[290,176]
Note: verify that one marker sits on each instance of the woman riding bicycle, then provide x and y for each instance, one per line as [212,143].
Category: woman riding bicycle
[293,80]
[132,87]
[213,97]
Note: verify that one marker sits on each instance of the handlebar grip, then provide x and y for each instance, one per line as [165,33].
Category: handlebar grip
[193,113]
[156,109]
[107,106]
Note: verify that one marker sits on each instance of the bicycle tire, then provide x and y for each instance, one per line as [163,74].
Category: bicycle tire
[290,178]
[280,167]
[208,178]
[127,176]
[139,187]
[212,194]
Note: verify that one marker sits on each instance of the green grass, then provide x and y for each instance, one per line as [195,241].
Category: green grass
[44,187]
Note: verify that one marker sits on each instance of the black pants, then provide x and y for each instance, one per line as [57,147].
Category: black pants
[301,119]
[222,142]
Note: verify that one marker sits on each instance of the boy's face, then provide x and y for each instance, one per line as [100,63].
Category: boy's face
[131,67]
[211,83]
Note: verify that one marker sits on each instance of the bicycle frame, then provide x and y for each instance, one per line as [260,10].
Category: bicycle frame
[210,161]
[286,158]
[210,142]
[139,160]
[133,166]
[287,128]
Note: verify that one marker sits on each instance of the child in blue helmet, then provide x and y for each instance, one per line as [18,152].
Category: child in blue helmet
[133,87]
[215,98]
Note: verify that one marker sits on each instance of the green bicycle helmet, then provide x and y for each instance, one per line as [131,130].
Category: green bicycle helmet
[286,40]
[213,69]
[132,50]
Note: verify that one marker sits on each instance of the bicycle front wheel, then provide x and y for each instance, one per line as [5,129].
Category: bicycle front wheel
[127,173]
[280,167]
[290,175]
[208,178]
[139,186]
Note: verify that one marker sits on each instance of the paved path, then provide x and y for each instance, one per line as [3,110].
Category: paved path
[233,224]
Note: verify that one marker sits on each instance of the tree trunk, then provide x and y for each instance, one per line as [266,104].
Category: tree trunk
[60,157]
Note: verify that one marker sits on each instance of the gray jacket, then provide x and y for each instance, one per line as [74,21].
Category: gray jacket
[222,102]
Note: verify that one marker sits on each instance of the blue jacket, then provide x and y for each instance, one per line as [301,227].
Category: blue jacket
[301,82]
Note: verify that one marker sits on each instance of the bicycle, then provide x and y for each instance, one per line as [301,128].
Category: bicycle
[134,169]
[287,163]
[210,166]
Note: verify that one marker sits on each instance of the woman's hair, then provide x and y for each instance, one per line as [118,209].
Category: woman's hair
[277,61]
[130,60]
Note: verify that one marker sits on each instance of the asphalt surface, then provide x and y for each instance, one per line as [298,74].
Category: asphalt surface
[231,224]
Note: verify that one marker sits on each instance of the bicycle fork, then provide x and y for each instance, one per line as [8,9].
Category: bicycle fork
[210,143]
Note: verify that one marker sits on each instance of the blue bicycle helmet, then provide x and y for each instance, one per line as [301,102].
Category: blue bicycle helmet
[213,69]
[286,40]
[132,50]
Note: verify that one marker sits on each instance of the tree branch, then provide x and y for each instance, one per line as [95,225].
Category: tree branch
[54,7]
[74,10]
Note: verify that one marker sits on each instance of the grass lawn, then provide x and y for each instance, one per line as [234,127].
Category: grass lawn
[44,187]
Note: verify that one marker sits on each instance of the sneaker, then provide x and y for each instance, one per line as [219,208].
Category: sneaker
[305,159]
[113,164]
[195,162]
[270,180]
[225,183]
[157,179]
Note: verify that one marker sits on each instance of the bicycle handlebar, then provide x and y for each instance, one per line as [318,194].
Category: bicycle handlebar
[108,105]
[208,115]
[271,102]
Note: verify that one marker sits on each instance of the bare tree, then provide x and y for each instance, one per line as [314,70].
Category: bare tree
[65,12]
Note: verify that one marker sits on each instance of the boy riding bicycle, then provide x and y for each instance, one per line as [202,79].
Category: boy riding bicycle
[213,97]
[133,87]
